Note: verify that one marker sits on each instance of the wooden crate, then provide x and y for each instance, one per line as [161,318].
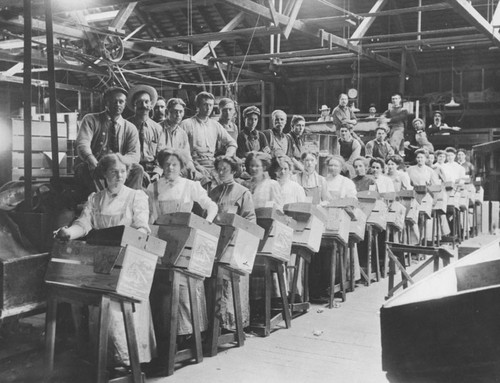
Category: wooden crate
[407,199]
[337,224]
[239,241]
[310,224]
[453,199]
[396,215]
[278,237]
[425,206]
[125,270]
[378,216]
[434,327]
[357,226]
[439,198]
[192,242]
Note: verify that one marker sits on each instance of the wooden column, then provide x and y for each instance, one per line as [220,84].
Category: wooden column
[27,104]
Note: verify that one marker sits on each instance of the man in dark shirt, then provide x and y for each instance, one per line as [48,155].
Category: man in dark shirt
[397,117]
[379,147]
[438,125]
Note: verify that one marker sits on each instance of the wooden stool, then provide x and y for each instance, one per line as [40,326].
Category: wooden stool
[396,254]
[372,241]
[338,256]
[303,256]
[101,299]
[266,266]
[350,271]
[392,234]
[164,298]
[215,293]
[455,214]
[436,225]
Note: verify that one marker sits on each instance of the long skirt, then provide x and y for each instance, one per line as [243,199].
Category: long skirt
[185,327]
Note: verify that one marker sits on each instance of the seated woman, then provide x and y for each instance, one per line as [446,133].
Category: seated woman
[438,166]
[383,184]
[362,181]
[338,186]
[172,194]
[314,185]
[421,174]
[232,197]
[265,191]
[281,170]
[117,205]
[399,178]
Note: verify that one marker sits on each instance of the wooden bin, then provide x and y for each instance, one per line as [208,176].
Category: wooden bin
[439,198]
[374,207]
[239,241]
[310,224]
[454,199]
[407,199]
[396,215]
[192,242]
[357,226]
[126,269]
[338,224]
[425,206]
[278,237]
[439,325]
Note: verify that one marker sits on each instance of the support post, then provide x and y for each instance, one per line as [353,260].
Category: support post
[27,105]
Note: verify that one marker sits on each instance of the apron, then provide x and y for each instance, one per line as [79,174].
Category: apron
[173,205]
[143,322]
[312,192]
[184,326]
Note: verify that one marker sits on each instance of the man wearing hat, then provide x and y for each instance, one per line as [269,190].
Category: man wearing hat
[438,125]
[325,114]
[250,139]
[103,133]
[141,99]
[418,138]
[206,136]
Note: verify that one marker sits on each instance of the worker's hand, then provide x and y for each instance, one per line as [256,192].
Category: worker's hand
[456,128]
[155,177]
[62,234]
[92,162]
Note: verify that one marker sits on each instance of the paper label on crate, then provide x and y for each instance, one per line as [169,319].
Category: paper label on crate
[203,254]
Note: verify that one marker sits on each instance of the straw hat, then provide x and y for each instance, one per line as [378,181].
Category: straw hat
[324,107]
[139,89]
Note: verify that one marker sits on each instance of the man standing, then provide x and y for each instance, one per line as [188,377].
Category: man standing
[343,115]
[103,133]
[379,147]
[141,100]
[227,112]
[160,110]
[206,136]
[173,136]
[396,116]
[279,142]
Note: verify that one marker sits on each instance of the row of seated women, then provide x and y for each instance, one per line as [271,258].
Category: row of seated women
[120,205]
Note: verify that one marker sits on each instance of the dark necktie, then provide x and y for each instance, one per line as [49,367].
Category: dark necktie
[112,144]
[141,138]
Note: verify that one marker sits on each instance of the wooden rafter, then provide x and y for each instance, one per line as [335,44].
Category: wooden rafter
[293,16]
[122,16]
[469,13]
[495,20]
[368,21]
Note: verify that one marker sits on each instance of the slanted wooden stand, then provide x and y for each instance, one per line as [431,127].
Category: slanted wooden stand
[303,257]
[396,260]
[164,299]
[101,299]
[215,338]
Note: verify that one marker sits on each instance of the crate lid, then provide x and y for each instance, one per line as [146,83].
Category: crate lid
[368,195]
[271,213]
[389,196]
[190,220]
[301,211]
[234,220]
[406,194]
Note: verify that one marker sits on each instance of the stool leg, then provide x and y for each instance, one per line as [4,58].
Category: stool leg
[342,263]
[195,319]
[388,232]
[351,266]
[102,343]
[306,282]
[268,282]
[235,284]
[284,299]
[50,333]
[216,293]
[333,270]
[295,279]
[369,255]
[133,352]
[377,258]
[171,305]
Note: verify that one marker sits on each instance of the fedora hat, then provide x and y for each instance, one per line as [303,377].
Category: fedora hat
[324,107]
[140,89]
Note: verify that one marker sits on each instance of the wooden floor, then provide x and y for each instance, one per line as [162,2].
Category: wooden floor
[324,345]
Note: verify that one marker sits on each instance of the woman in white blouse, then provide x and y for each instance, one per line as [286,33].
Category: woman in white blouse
[399,178]
[314,185]
[383,184]
[172,194]
[338,186]
[117,205]
[264,190]
[281,170]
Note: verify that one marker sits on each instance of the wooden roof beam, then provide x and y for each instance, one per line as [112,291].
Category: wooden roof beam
[172,5]
[203,52]
[469,13]
[252,7]
[293,16]
[495,20]
[274,14]
[122,17]
[367,22]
